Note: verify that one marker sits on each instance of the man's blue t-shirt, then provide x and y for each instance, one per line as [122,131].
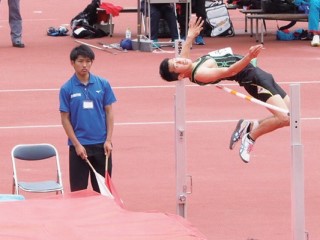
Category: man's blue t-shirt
[85,104]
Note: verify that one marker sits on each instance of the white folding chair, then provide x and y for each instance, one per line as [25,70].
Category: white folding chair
[30,158]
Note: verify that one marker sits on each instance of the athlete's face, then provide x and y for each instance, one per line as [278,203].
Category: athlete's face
[179,65]
[82,65]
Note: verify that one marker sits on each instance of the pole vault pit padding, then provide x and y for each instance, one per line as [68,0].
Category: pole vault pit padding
[90,216]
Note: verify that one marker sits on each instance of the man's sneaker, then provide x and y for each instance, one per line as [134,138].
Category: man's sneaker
[246,148]
[199,40]
[18,44]
[239,131]
[315,41]
[306,35]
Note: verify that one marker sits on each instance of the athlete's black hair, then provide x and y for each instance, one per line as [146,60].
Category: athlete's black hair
[81,50]
[165,73]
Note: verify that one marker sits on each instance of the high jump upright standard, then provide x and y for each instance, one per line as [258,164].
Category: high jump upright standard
[297,175]
[180,142]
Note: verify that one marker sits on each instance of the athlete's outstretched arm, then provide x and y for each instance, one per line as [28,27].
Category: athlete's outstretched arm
[195,27]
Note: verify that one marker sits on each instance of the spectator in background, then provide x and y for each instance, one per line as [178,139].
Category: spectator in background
[157,12]
[198,7]
[313,19]
[15,22]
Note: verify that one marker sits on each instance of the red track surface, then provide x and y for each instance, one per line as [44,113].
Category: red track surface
[230,199]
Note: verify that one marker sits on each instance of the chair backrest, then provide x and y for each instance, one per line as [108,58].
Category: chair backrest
[34,152]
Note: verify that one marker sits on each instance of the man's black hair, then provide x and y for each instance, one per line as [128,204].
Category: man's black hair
[81,50]
[165,73]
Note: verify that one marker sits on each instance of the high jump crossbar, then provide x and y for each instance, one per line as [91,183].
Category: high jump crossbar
[252,99]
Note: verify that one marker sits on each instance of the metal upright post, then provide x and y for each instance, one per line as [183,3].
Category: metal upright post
[180,141]
[139,23]
[297,188]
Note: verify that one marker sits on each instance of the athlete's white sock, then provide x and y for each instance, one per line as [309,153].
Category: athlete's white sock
[253,125]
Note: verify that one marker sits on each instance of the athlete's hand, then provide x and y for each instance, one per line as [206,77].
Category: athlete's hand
[81,151]
[195,27]
[255,50]
[107,148]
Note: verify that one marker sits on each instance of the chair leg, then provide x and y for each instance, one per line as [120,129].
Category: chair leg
[15,190]
[111,25]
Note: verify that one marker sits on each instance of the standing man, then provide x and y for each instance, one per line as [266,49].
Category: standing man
[15,22]
[87,118]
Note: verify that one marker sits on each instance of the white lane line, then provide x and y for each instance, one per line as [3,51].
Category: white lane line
[145,123]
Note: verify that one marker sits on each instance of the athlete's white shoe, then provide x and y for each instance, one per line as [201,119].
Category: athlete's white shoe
[246,148]
[241,129]
[315,41]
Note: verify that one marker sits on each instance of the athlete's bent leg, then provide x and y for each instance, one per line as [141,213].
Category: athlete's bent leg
[278,120]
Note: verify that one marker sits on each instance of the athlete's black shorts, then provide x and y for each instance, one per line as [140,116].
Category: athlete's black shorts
[260,84]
